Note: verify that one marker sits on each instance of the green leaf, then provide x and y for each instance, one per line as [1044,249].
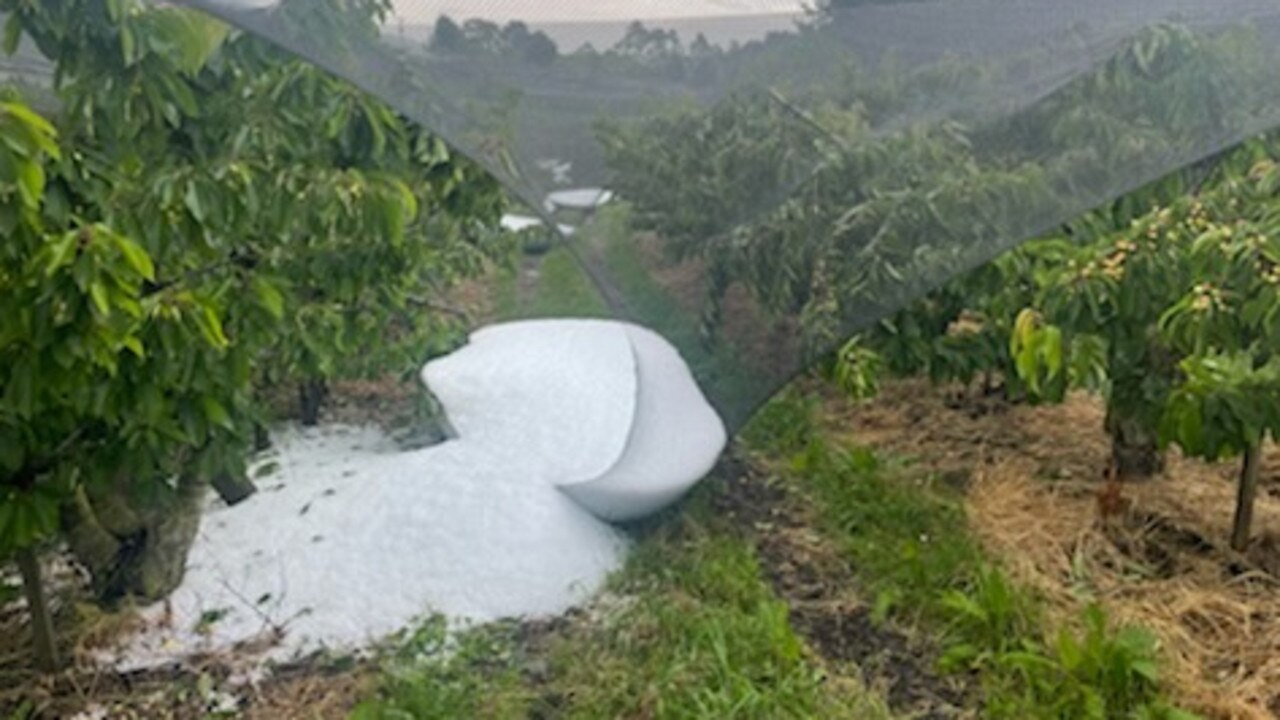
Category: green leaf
[1191,429]
[101,300]
[1069,652]
[211,327]
[31,183]
[135,346]
[192,201]
[959,657]
[12,451]
[42,131]
[962,605]
[20,395]
[193,36]
[137,258]
[26,518]
[1095,707]
[12,33]
[128,45]
[1051,348]
[61,253]
[1148,669]
[215,413]
[269,297]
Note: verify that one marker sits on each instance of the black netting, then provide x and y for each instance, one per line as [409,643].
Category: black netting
[781,176]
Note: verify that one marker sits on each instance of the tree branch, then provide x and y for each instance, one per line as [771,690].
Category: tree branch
[244,260]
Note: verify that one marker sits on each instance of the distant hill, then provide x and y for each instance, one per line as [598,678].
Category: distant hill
[719,31]
[569,36]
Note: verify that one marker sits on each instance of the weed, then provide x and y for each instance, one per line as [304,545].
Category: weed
[1101,674]
[436,674]
[989,620]
[784,427]
[562,289]
[909,543]
[704,637]
[695,632]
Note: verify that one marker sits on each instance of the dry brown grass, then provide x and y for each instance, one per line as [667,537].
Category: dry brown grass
[1161,566]
[1033,476]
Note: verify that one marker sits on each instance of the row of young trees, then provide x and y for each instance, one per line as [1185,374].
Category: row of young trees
[205,220]
[839,205]
[1179,315]
[1172,316]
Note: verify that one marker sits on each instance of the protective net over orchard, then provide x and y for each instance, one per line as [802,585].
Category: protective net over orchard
[789,173]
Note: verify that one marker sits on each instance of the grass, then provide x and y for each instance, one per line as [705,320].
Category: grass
[562,290]
[689,630]
[437,674]
[703,637]
[909,543]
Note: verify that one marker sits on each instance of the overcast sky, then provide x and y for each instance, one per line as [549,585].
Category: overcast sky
[558,11]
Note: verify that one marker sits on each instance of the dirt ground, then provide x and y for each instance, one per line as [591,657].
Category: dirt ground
[810,574]
[1032,477]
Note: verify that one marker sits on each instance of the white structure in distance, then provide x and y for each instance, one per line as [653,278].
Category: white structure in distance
[519,223]
[581,199]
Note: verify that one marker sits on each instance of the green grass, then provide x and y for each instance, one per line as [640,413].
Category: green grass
[433,673]
[690,630]
[703,637]
[562,290]
[909,544]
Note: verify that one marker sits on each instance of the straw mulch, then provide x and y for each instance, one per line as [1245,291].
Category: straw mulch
[1163,564]
[1032,481]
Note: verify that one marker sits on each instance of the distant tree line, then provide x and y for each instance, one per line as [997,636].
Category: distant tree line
[515,40]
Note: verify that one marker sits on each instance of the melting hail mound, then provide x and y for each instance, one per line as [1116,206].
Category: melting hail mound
[560,423]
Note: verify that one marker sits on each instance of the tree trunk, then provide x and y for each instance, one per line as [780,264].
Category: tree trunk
[154,568]
[1142,371]
[311,395]
[261,437]
[135,551]
[46,646]
[1248,489]
[1135,449]
[233,489]
[94,546]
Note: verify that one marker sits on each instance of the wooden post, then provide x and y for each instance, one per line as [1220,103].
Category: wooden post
[1247,490]
[46,646]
